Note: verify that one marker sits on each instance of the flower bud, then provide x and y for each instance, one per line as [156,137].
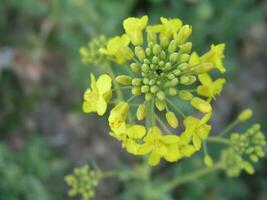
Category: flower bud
[136,81]
[124,80]
[156,49]
[183,66]
[186,48]
[161,95]
[160,105]
[136,91]
[172,91]
[171,119]
[185,95]
[135,67]
[183,34]
[154,89]
[148,51]
[145,68]
[144,88]
[164,42]
[172,46]
[141,112]
[187,80]
[208,161]
[245,115]
[201,105]
[148,96]
[174,57]
[139,52]
[155,60]
[162,55]
[183,58]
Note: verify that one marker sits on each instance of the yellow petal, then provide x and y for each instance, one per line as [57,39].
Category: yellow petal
[196,142]
[171,139]
[188,150]
[201,105]
[101,106]
[144,149]
[88,107]
[136,131]
[103,83]
[154,158]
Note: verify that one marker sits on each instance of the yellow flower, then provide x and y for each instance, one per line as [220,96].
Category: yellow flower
[128,136]
[201,105]
[159,146]
[215,56]
[196,130]
[117,115]
[209,88]
[167,29]
[118,47]
[134,27]
[97,97]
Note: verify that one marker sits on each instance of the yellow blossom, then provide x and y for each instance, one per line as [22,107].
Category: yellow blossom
[134,27]
[118,48]
[215,56]
[118,114]
[159,146]
[97,97]
[196,130]
[201,105]
[209,88]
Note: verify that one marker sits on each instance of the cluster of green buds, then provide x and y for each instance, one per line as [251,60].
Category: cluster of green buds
[243,148]
[83,181]
[90,54]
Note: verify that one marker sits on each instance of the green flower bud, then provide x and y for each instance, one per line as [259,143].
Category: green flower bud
[148,52]
[186,48]
[160,105]
[168,66]
[187,80]
[183,58]
[162,55]
[161,63]
[145,81]
[135,67]
[136,91]
[160,95]
[146,61]
[185,95]
[156,49]
[208,161]
[164,43]
[136,81]
[155,60]
[152,82]
[172,91]
[154,89]
[183,34]
[245,115]
[144,88]
[124,80]
[201,105]
[148,96]
[172,46]
[170,76]
[145,68]
[183,66]
[174,82]
[139,52]
[176,72]
[174,57]
[171,119]
[141,112]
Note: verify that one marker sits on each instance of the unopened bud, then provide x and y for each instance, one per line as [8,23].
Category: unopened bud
[186,48]
[139,52]
[156,49]
[172,46]
[185,95]
[245,115]
[208,161]
[160,105]
[136,91]
[171,119]
[161,95]
[174,57]
[124,80]
[135,67]
[141,112]
[183,58]
[201,105]
[184,33]
[172,91]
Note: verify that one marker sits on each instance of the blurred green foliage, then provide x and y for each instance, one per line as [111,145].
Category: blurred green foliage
[30,173]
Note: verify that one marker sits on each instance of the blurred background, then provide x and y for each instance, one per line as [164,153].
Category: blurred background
[43,132]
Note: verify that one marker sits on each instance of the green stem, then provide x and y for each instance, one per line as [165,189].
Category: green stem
[153,122]
[186,178]
[228,128]
[218,140]
[121,88]
[162,124]
[176,108]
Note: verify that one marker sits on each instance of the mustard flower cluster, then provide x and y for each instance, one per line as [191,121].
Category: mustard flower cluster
[244,149]
[83,181]
[160,73]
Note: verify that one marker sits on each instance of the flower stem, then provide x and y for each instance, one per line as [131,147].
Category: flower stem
[162,124]
[186,178]
[218,140]
[176,108]
[228,128]
[121,88]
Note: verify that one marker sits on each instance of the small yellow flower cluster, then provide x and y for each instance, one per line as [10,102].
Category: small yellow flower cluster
[162,73]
